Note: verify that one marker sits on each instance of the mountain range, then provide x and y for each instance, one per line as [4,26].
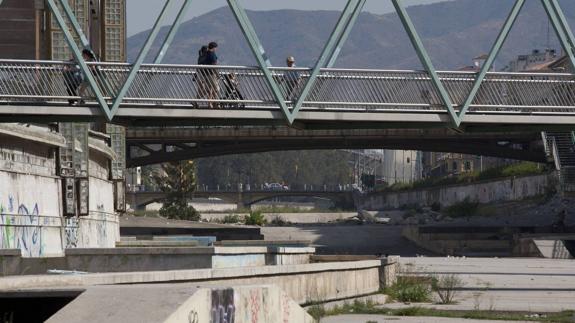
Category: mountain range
[453,32]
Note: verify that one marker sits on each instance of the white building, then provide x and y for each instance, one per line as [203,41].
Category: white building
[401,166]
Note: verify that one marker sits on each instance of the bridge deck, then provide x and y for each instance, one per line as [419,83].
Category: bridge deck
[184,93]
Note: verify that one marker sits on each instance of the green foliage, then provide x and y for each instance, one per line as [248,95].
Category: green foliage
[370,308]
[178,181]
[231,219]
[465,208]
[517,169]
[255,218]
[410,289]
[179,210]
[317,312]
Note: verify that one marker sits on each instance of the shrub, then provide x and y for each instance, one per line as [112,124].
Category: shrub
[179,211]
[465,208]
[231,219]
[317,312]
[279,221]
[447,287]
[411,289]
[255,218]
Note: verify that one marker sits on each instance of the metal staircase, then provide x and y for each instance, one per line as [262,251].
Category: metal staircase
[560,148]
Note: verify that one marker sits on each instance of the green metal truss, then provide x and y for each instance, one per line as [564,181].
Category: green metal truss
[349,26]
[335,40]
[259,53]
[491,58]
[561,27]
[77,53]
[425,59]
[140,58]
[327,58]
[172,33]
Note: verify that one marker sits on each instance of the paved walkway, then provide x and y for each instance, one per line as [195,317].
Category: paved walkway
[534,285]
[381,319]
[367,239]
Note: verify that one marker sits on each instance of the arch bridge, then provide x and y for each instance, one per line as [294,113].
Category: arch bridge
[341,198]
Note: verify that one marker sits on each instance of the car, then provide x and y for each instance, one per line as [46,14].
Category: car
[276,187]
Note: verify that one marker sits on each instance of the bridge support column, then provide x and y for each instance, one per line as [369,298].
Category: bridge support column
[243,201]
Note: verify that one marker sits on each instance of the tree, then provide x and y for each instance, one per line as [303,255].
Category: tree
[178,181]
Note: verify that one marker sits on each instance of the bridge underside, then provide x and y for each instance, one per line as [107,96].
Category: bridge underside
[309,118]
[156,145]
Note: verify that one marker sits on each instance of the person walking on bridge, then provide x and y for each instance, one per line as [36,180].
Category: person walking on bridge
[212,76]
[291,79]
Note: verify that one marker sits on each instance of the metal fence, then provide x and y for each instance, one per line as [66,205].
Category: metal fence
[239,87]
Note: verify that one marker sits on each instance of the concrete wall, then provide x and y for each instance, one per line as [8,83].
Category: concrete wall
[178,303]
[153,259]
[31,197]
[100,229]
[484,192]
[305,284]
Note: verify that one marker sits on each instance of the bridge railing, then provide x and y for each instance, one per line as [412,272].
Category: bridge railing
[238,87]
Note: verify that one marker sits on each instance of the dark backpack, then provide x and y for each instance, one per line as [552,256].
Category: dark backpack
[202,55]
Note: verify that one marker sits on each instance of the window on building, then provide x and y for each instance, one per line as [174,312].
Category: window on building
[467,166]
[408,160]
[455,166]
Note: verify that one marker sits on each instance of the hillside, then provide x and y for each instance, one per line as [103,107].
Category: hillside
[454,33]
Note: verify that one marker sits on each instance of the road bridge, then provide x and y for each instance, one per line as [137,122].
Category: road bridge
[155,145]
[344,199]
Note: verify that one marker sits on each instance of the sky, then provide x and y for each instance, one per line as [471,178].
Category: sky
[143,13]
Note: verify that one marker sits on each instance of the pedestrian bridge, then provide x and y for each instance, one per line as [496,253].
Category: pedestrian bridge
[340,98]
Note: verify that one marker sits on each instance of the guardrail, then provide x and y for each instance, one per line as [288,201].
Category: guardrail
[238,87]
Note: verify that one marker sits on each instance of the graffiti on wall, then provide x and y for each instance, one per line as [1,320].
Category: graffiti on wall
[20,228]
[71,232]
[223,307]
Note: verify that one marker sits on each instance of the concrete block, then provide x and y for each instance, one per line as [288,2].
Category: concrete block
[156,244]
[202,241]
[182,303]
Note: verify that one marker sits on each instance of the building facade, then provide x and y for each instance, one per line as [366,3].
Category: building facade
[401,166]
[28,30]
[62,186]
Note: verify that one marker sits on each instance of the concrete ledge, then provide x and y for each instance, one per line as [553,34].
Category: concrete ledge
[47,281]
[33,133]
[304,283]
[279,243]
[342,258]
[10,252]
[155,244]
[291,250]
[152,258]
[139,251]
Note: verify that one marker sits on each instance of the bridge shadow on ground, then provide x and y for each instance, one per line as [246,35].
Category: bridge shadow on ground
[349,239]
